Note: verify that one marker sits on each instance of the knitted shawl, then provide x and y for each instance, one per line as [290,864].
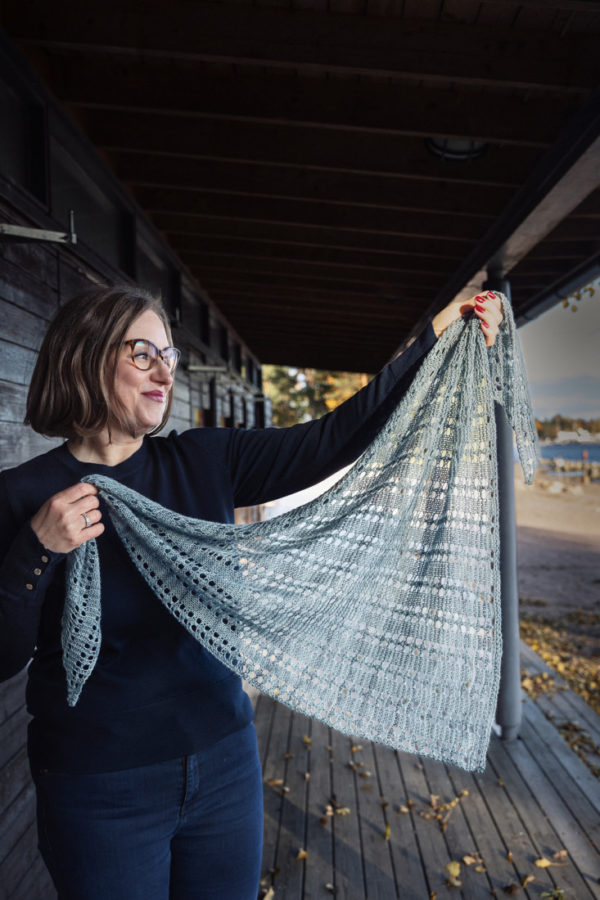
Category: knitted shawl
[374,608]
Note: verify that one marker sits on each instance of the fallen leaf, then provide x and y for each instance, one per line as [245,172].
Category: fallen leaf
[343,811]
[480,869]
[388,831]
[307,740]
[453,868]
[509,856]
[453,871]
[527,880]
[307,776]
[543,863]
[560,854]
[302,854]
[269,895]
[275,782]
[330,888]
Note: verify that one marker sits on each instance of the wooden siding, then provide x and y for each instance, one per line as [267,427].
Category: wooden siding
[34,280]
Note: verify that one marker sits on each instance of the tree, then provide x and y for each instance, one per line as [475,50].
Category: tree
[298,395]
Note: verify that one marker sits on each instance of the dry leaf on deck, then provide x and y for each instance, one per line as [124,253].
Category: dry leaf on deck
[452,869]
[527,880]
[543,863]
[388,831]
[302,854]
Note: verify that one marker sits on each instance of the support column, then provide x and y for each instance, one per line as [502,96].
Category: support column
[508,709]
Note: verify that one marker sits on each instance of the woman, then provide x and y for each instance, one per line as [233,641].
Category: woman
[150,787]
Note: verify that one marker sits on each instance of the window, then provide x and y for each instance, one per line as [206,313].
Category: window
[22,147]
[99,223]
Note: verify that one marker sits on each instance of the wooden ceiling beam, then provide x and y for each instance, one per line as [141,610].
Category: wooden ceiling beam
[280,239]
[331,336]
[308,41]
[397,288]
[312,270]
[305,184]
[361,294]
[312,319]
[192,90]
[348,267]
[216,248]
[355,309]
[410,222]
[151,133]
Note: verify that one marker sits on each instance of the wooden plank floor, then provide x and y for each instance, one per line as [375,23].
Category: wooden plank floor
[365,817]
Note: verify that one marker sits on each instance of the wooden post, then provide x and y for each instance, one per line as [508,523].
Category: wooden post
[508,709]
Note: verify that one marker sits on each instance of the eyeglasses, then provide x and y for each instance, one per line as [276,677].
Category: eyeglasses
[144,355]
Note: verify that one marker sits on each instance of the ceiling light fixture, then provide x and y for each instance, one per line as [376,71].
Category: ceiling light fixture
[456,149]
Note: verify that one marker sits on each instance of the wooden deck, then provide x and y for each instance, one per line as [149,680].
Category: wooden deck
[536,798]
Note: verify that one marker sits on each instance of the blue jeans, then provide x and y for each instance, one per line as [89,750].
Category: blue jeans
[185,829]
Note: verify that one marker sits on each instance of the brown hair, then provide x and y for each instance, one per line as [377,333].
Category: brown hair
[70,395]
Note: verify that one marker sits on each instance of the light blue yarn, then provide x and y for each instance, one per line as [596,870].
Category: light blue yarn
[375,608]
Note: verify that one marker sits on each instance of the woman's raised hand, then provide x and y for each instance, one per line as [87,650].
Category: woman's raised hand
[61,524]
[487,306]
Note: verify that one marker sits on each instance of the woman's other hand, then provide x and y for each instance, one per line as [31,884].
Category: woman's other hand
[60,524]
[487,306]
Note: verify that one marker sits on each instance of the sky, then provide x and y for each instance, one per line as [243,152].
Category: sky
[561,349]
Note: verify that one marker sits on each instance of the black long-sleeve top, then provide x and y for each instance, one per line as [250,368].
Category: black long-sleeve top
[155,692]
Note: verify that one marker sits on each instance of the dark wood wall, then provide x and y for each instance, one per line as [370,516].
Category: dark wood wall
[35,278]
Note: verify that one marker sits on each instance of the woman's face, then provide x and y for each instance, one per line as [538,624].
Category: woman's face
[143,393]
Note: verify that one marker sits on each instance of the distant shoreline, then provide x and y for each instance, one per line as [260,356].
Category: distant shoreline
[546,442]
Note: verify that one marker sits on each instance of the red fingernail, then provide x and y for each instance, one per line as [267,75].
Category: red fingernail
[491,295]
[478,307]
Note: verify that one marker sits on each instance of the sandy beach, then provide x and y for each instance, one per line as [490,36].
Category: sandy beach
[558,549]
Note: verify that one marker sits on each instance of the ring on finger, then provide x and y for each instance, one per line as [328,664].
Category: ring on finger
[86,519]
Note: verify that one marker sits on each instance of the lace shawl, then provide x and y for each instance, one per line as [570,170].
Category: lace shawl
[375,608]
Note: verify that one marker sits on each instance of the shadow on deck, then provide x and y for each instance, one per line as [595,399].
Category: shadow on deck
[381,824]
